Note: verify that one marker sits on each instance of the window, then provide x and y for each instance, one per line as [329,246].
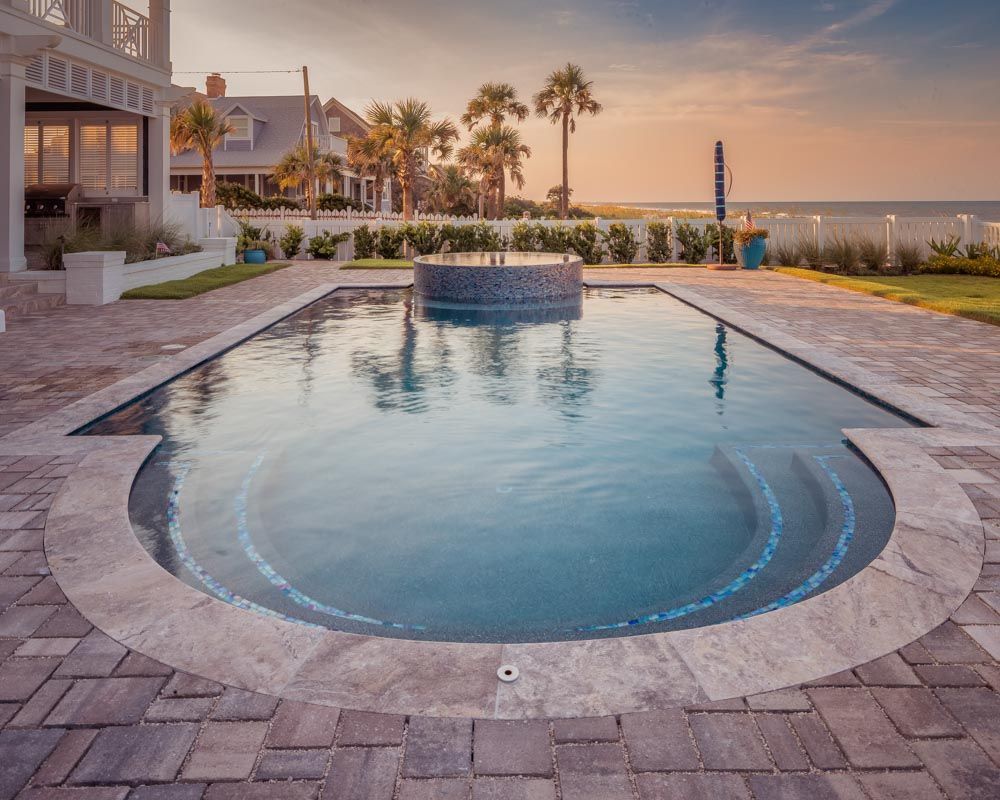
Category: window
[334,124]
[109,157]
[46,154]
[240,127]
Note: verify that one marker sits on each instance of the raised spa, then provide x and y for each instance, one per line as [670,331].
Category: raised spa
[498,278]
[622,464]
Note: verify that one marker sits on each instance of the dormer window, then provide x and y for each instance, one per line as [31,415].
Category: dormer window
[240,130]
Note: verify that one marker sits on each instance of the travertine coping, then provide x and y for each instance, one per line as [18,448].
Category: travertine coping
[929,566]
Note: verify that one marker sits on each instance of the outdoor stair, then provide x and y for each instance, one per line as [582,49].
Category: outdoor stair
[21,298]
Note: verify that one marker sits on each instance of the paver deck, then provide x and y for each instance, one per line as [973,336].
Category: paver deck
[84,718]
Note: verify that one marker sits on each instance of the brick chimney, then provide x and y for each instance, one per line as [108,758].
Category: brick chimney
[215,86]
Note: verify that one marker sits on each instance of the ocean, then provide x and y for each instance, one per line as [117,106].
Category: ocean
[987,210]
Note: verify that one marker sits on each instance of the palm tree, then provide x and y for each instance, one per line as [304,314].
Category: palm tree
[365,154]
[492,153]
[292,171]
[451,190]
[199,127]
[495,102]
[566,94]
[405,132]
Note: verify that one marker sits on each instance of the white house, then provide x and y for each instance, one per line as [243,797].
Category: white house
[85,96]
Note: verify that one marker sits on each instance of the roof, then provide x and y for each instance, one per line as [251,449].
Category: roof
[282,118]
[356,118]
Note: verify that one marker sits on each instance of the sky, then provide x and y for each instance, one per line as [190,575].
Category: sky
[815,99]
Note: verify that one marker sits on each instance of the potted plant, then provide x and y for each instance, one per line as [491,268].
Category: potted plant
[751,246]
[256,252]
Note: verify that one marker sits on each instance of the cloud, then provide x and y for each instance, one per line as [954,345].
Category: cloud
[624,67]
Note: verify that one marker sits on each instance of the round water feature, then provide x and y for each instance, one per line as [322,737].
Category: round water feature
[498,278]
[617,465]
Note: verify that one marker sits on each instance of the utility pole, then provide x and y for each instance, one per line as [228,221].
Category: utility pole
[310,152]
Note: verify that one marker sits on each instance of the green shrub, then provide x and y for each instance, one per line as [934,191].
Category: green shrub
[478,238]
[622,244]
[974,251]
[234,195]
[389,242]
[659,243]
[277,201]
[555,238]
[337,202]
[524,237]
[843,254]
[871,253]
[137,241]
[424,237]
[728,244]
[291,240]
[694,244]
[810,252]
[785,254]
[947,248]
[325,245]
[364,242]
[987,267]
[909,257]
[587,243]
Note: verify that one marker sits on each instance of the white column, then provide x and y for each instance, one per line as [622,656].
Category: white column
[12,164]
[159,25]
[100,21]
[158,160]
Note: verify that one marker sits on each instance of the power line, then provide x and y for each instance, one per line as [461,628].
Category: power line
[237,71]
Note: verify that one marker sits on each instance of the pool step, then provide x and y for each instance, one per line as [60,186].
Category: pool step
[21,298]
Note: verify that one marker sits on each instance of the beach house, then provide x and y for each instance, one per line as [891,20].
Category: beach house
[85,92]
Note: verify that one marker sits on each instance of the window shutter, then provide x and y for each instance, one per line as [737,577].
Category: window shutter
[124,157]
[94,157]
[30,155]
[55,154]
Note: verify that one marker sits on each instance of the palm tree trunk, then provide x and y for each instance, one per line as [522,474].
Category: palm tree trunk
[564,211]
[207,181]
[378,187]
[501,194]
[407,198]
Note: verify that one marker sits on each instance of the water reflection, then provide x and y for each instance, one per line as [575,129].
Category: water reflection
[719,379]
[568,376]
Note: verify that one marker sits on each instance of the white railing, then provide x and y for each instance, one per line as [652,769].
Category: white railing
[107,21]
[789,231]
[73,14]
[129,31]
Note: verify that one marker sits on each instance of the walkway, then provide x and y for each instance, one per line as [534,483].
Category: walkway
[85,719]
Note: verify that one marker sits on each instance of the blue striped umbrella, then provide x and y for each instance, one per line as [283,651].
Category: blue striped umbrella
[720,183]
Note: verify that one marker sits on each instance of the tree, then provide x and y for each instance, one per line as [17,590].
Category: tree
[365,154]
[492,153]
[451,190]
[495,102]
[554,197]
[406,134]
[198,127]
[566,95]
[292,171]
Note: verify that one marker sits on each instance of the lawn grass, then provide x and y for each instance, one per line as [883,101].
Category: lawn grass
[644,266]
[379,263]
[203,282]
[962,295]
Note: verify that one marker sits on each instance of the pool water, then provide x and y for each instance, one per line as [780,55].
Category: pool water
[619,466]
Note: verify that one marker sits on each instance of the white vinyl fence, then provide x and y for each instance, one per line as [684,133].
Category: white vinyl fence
[889,231]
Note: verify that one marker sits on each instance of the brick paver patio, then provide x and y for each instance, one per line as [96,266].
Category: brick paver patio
[83,718]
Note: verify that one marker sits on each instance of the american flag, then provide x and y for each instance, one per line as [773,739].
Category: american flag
[162,249]
[748,222]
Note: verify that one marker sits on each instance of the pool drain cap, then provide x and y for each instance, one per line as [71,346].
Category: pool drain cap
[508,673]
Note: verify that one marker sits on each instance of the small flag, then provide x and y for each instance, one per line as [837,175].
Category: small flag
[748,222]
[162,249]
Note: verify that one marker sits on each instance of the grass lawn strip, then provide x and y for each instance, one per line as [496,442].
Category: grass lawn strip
[399,263]
[203,282]
[967,296]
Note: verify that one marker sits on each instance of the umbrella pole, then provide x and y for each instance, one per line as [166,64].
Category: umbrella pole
[721,259]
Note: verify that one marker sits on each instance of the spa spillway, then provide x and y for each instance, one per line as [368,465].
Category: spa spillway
[498,278]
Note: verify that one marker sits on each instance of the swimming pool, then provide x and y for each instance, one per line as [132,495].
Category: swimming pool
[624,465]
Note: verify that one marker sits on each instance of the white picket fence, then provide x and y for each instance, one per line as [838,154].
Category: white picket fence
[890,231]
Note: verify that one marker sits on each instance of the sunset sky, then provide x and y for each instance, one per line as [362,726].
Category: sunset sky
[815,99]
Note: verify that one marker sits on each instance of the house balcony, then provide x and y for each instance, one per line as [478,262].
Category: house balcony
[108,22]
[329,143]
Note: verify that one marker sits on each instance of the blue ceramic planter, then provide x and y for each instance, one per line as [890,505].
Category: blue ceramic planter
[254,257]
[753,253]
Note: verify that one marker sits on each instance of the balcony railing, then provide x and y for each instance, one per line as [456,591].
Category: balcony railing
[104,20]
[129,30]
